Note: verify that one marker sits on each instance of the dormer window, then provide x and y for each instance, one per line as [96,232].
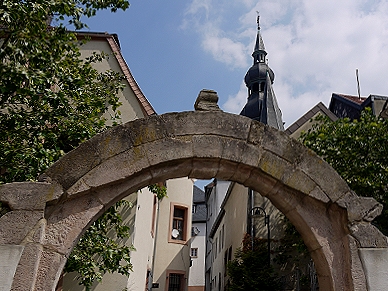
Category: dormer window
[261,58]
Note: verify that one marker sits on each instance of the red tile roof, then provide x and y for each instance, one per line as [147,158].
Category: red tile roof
[352,98]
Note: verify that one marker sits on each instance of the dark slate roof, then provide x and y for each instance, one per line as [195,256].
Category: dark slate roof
[351,106]
[274,114]
[320,107]
[200,213]
[198,195]
[200,205]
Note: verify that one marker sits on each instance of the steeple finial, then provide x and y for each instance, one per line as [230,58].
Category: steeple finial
[258,20]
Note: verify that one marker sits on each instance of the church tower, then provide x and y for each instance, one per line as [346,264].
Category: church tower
[261,104]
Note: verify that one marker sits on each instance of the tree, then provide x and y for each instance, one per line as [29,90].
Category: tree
[102,248]
[358,151]
[249,269]
[51,101]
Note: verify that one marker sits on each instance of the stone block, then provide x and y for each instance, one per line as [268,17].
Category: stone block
[375,262]
[227,170]
[357,270]
[110,194]
[9,260]
[368,236]
[299,181]
[117,168]
[256,133]
[318,194]
[25,275]
[29,195]
[205,123]
[49,270]
[324,175]
[251,155]
[169,149]
[233,150]
[261,182]
[282,145]
[204,169]
[241,174]
[69,220]
[360,208]
[274,165]
[174,169]
[101,147]
[207,101]
[207,146]
[16,225]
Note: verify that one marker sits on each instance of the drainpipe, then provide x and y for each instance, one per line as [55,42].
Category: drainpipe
[151,274]
[251,205]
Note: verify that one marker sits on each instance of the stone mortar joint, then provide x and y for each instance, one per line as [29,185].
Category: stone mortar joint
[207,101]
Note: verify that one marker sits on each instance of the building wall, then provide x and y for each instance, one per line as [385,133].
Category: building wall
[130,108]
[197,272]
[173,255]
[305,127]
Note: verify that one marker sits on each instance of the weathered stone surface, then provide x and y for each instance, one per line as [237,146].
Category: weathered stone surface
[68,222]
[251,155]
[15,225]
[318,194]
[256,133]
[359,280]
[262,183]
[27,269]
[212,144]
[233,150]
[49,270]
[360,208]
[29,195]
[368,236]
[181,168]
[115,169]
[242,174]
[282,145]
[205,123]
[227,170]
[299,181]
[204,168]
[9,260]
[274,165]
[375,262]
[324,175]
[207,101]
[161,151]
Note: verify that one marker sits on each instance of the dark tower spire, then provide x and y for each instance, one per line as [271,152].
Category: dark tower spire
[261,104]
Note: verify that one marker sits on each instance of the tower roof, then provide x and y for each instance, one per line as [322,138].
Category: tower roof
[261,104]
[259,40]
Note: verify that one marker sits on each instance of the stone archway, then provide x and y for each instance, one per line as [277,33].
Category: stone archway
[48,217]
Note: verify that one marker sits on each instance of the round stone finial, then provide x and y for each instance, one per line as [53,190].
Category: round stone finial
[207,101]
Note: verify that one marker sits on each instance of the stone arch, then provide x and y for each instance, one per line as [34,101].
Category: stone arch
[48,217]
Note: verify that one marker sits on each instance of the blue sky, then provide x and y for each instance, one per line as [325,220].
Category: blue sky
[176,48]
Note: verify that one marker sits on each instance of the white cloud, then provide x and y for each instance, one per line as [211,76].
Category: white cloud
[226,50]
[314,47]
[236,102]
